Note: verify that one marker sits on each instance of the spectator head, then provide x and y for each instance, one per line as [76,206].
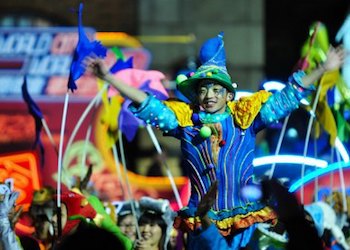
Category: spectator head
[156,221]
[126,221]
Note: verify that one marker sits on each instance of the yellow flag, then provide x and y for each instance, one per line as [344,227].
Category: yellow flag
[109,116]
[314,52]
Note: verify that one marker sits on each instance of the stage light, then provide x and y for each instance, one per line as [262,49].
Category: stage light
[289,159]
[317,173]
[273,86]
[292,133]
[240,94]
[341,149]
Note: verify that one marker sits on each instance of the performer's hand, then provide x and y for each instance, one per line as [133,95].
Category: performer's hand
[335,58]
[14,216]
[205,204]
[8,203]
[96,66]
[207,201]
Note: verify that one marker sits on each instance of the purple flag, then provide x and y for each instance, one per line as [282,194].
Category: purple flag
[128,122]
[35,111]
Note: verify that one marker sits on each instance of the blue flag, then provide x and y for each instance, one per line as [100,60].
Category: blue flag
[83,49]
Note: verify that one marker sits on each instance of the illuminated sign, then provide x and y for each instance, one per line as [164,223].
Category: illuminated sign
[23,169]
[44,55]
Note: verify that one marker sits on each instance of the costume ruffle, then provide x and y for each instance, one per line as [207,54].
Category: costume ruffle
[183,112]
[227,221]
[247,108]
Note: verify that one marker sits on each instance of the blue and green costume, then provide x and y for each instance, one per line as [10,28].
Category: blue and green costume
[227,155]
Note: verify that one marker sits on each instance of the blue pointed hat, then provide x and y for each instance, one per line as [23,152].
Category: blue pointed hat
[213,58]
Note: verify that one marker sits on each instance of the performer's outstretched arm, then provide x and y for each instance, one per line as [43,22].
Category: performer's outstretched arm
[335,58]
[99,68]
[300,85]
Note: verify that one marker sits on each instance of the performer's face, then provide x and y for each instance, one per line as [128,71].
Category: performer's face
[212,97]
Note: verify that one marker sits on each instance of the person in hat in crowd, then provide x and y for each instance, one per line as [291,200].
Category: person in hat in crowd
[41,212]
[126,221]
[79,210]
[218,133]
[296,230]
[155,223]
[328,228]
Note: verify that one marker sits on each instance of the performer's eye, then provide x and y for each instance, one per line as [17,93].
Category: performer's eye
[219,91]
[202,91]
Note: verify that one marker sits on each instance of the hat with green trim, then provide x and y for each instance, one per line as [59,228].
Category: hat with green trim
[213,58]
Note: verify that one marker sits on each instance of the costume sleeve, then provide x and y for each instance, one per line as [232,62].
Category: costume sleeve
[154,112]
[283,102]
[7,235]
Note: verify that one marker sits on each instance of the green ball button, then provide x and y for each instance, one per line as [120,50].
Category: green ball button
[205,132]
[180,78]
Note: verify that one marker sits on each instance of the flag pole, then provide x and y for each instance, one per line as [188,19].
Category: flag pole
[170,176]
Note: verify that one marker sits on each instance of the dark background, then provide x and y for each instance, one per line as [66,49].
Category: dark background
[287,25]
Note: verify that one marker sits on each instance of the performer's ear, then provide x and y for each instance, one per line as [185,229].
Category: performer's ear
[230,96]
